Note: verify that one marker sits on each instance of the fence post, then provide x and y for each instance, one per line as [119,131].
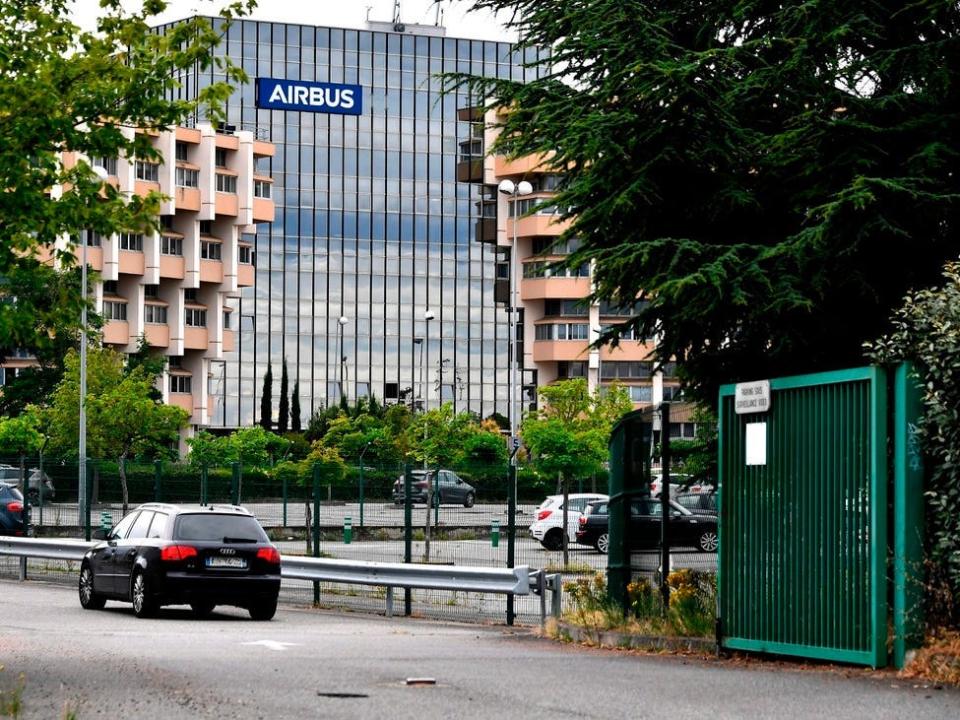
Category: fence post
[235,484]
[511,530]
[665,502]
[284,491]
[407,531]
[158,480]
[316,527]
[87,502]
[42,478]
[24,483]
[361,494]
[203,485]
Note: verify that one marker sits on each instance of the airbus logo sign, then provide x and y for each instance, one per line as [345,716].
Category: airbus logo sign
[304,96]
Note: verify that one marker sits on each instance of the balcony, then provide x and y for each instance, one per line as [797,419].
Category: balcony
[182,400]
[94,257]
[227,204]
[627,350]
[172,266]
[553,350]
[211,271]
[195,338]
[560,288]
[116,332]
[157,335]
[145,187]
[245,275]
[229,341]
[539,226]
[263,210]
[521,166]
[187,198]
[470,170]
[131,262]
[262,148]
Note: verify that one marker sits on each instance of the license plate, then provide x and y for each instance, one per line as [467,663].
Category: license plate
[226,562]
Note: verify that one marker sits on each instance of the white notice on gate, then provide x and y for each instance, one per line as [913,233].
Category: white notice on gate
[756,443]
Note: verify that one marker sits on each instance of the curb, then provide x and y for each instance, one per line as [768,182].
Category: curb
[622,640]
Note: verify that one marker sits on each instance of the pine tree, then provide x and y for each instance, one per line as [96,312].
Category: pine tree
[266,400]
[295,408]
[284,420]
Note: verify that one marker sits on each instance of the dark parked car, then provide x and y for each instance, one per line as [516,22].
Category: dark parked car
[686,528]
[11,511]
[10,475]
[699,503]
[448,487]
[202,556]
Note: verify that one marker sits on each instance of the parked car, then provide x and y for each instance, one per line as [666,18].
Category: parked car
[195,555]
[11,511]
[687,529]
[10,476]
[448,487]
[703,502]
[547,528]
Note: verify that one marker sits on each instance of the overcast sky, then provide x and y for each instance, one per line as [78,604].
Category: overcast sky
[335,13]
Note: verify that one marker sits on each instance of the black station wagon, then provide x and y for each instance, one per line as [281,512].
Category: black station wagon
[196,555]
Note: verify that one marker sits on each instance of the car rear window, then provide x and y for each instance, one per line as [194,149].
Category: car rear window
[7,492]
[219,528]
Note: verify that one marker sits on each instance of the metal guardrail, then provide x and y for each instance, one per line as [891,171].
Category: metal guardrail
[508,581]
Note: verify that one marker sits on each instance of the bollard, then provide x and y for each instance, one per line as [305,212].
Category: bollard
[495,533]
[347,530]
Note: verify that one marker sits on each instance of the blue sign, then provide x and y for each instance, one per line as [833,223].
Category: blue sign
[304,96]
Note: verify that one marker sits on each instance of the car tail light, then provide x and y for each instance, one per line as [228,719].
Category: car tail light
[14,506]
[173,553]
[583,520]
[544,514]
[269,554]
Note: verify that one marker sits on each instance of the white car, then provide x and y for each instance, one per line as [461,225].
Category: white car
[547,528]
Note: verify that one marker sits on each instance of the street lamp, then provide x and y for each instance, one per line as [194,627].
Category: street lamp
[427,316]
[514,191]
[342,321]
[599,331]
[102,175]
[419,343]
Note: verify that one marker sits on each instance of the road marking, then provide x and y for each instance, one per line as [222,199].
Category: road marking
[272,644]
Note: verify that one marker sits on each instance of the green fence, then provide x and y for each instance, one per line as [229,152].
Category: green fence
[803,518]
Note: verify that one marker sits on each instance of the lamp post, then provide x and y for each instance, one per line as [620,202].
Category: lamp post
[599,330]
[427,316]
[514,191]
[419,342]
[342,321]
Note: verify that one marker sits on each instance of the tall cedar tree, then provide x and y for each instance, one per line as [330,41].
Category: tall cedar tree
[768,179]
[70,91]
[284,419]
[266,400]
[295,408]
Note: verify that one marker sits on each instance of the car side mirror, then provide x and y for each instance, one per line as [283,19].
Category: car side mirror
[676,513]
[99,534]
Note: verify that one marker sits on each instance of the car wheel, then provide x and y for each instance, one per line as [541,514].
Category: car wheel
[709,541]
[263,609]
[553,540]
[143,604]
[603,543]
[468,500]
[202,610]
[89,600]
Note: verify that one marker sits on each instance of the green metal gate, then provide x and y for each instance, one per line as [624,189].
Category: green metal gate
[803,524]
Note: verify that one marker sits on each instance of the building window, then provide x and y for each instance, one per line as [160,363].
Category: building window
[566,308]
[261,189]
[195,317]
[220,155]
[633,370]
[110,287]
[226,183]
[226,321]
[628,333]
[155,314]
[614,309]
[181,152]
[684,431]
[550,269]
[672,393]
[188,177]
[131,241]
[245,254]
[571,369]
[210,250]
[114,310]
[640,393]
[92,239]
[528,205]
[108,164]
[181,384]
[151,292]
[669,369]
[555,246]
[175,362]
[562,331]
[190,294]
[171,246]
[149,171]
[206,227]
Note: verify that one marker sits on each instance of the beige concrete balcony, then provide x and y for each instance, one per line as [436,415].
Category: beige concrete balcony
[551,350]
[157,335]
[226,204]
[264,149]
[263,210]
[182,400]
[94,257]
[195,338]
[559,288]
[229,341]
[245,275]
[188,198]
[521,166]
[116,332]
[131,262]
[172,266]
[539,226]
[211,271]
[627,350]
[230,142]
[189,135]
[145,187]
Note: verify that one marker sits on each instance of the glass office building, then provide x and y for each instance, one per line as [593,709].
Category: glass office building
[372,227]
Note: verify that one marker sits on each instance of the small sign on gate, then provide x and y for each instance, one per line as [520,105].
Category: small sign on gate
[752,397]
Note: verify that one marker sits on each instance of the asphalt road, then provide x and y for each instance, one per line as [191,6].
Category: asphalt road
[314,664]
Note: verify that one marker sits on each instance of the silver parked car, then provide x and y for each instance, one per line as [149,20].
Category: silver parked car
[10,476]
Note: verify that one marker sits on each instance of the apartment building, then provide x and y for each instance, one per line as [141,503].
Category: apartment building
[177,286]
[557,324]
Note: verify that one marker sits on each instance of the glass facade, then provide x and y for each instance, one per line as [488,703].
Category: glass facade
[371,225]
